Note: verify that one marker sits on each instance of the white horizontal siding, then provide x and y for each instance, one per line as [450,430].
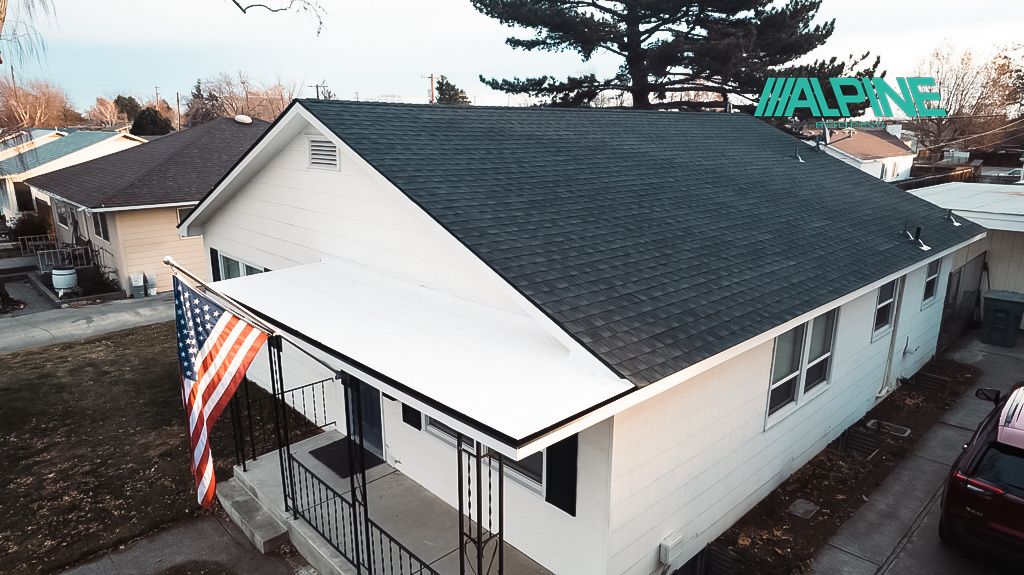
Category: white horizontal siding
[694,459]
[289,214]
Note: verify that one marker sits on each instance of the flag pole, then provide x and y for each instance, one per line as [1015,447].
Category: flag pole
[264,327]
[259,324]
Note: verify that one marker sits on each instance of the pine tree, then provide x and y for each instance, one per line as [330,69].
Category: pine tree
[448,93]
[149,122]
[128,106]
[726,47]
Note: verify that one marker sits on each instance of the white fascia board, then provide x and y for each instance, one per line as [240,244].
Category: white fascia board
[993,220]
[145,207]
[580,355]
[57,197]
[285,128]
[644,393]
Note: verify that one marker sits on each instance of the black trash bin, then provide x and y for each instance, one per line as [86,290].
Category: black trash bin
[1003,312]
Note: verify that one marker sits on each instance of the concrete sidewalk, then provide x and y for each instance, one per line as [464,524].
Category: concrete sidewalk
[896,531]
[69,324]
[199,539]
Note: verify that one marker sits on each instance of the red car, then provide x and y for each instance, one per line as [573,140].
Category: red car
[983,504]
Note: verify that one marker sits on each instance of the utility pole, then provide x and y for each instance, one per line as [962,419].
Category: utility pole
[317,86]
[177,108]
[357,96]
[432,100]
[157,88]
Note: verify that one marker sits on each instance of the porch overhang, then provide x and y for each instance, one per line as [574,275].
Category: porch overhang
[491,374]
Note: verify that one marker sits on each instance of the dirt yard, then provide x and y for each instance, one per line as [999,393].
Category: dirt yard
[771,541]
[93,451]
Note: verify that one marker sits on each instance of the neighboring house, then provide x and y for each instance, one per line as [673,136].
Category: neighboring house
[129,203]
[68,150]
[878,152]
[23,140]
[655,317]
[998,207]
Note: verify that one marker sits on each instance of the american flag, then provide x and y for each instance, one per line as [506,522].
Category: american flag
[214,349]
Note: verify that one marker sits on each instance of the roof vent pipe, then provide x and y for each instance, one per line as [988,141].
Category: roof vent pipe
[796,153]
[950,218]
[920,242]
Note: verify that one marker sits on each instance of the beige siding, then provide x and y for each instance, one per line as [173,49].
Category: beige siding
[1006,261]
[145,237]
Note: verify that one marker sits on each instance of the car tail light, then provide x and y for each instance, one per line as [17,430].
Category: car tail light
[979,486]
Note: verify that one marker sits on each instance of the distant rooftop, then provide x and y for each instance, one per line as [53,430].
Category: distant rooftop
[867,144]
[31,159]
[995,206]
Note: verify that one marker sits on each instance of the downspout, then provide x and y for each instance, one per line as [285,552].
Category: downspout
[887,387]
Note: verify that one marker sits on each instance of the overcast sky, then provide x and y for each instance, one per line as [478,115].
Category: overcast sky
[378,47]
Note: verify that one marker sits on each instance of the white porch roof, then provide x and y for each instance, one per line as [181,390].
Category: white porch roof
[995,206]
[492,366]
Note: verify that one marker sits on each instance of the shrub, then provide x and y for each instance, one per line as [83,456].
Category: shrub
[29,224]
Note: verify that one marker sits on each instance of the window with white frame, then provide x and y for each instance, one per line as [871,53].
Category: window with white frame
[233,268]
[530,468]
[886,305]
[931,281]
[99,225]
[802,361]
[63,214]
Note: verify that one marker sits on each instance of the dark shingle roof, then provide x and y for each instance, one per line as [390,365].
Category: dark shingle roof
[657,239]
[31,159]
[180,167]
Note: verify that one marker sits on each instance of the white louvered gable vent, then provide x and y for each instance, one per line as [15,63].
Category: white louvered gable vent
[323,154]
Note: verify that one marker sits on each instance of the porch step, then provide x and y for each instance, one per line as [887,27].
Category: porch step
[258,524]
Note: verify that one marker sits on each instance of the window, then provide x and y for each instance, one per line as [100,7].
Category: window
[323,154]
[885,172]
[63,214]
[232,268]
[931,280]
[99,225]
[802,361]
[183,213]
[886,305]
[530,468]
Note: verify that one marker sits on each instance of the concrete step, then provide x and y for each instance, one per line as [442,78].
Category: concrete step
[261,527]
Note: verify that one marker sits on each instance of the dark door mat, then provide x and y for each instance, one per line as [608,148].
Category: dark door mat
[335,456]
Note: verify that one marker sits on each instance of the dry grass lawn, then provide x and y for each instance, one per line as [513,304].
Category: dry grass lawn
[93,451]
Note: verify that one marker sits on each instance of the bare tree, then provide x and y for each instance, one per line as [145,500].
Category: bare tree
[36,104]
[18,32]
[104,112]
[977,94]
[231,95]
[311,7]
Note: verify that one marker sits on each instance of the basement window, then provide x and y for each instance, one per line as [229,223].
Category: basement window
[323,154]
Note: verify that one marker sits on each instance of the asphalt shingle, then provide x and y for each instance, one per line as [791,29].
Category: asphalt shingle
[180,167]
[656,239]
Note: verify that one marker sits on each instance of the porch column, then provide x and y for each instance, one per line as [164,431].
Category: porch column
[481,484]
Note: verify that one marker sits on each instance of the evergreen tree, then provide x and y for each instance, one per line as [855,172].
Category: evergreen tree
[202,106]
[726,47]
[128,106]
[149,122]
[448,93]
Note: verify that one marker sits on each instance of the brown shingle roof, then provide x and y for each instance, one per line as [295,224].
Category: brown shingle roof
[177,168]
[869,144]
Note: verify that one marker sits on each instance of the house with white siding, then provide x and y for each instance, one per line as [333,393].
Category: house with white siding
[642,343]
[881,153]
[1000,209]
[128,204]
[46,153]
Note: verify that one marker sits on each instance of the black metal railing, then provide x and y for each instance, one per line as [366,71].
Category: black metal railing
[255,425]
[344,525]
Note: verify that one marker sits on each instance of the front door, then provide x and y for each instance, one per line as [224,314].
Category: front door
[373,427]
